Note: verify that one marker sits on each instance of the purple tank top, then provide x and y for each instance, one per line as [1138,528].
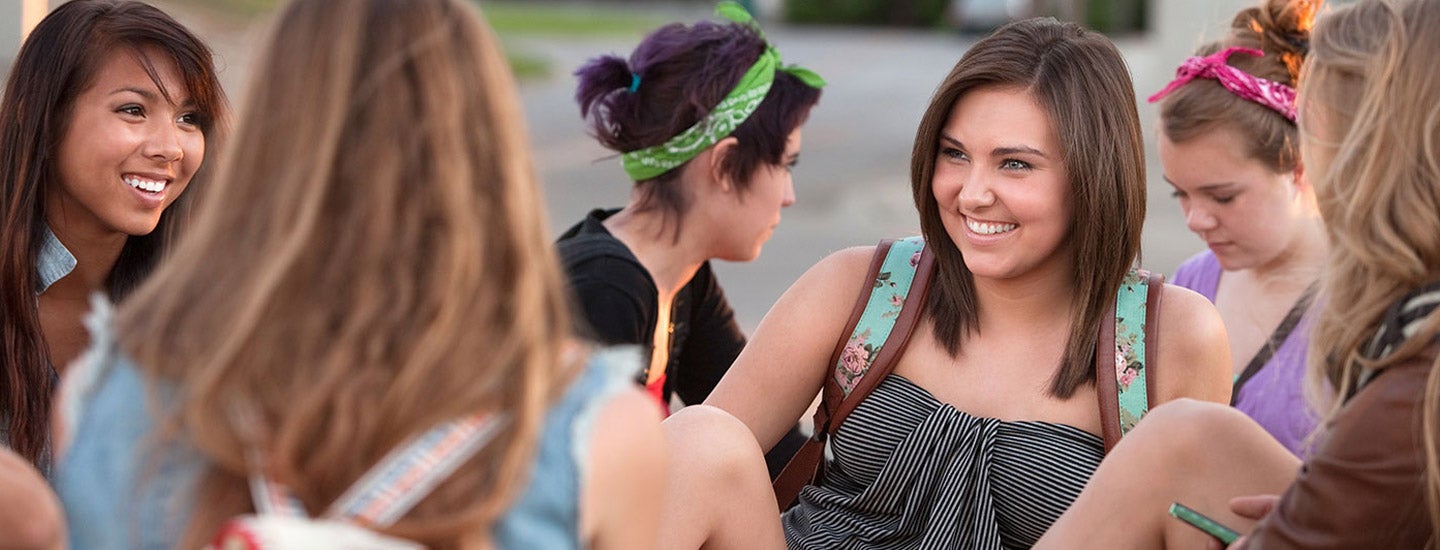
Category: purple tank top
[1274,397]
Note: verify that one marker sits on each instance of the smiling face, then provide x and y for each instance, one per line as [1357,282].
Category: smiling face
[1001,186]
[127,152]
[752,215]
[1247,214]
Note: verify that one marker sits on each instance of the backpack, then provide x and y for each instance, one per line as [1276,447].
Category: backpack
[379,498]
[885,315]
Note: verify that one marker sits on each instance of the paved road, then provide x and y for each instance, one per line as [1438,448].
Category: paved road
[852,184]
[853,180]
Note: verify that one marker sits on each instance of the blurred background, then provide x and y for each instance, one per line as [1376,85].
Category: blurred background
[883,59]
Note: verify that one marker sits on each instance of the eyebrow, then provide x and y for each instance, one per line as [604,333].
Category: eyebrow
[151,96]
[1001,151]
[1211,187]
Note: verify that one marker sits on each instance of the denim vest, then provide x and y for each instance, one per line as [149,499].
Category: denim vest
[121,491]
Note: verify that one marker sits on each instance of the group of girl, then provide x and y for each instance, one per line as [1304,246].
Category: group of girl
[367,272]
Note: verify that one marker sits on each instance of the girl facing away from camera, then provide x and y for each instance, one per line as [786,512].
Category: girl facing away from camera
[1028,177]
[389,275]
[1368,102]
[1230,148]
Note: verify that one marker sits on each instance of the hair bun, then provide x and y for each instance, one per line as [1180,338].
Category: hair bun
[1281,27]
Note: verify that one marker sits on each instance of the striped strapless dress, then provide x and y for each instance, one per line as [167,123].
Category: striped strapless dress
[909,471]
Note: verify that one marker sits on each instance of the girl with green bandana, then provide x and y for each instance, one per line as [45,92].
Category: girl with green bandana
[707,120]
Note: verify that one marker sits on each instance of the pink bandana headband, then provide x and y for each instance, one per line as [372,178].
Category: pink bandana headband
[1276,96]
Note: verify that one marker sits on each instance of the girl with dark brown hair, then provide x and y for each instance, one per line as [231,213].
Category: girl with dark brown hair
[105,122]
[1029,180]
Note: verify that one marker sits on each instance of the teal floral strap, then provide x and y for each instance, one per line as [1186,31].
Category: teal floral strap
[887,298]
[1130,348]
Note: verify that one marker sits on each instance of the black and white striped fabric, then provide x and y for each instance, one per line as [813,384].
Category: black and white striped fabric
[912,472]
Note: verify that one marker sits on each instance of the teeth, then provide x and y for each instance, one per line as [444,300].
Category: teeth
[148,186]
[990,228]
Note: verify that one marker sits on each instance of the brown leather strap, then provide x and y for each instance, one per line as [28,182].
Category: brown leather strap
[1106,386]
[1152,337]
[808,463]
[894,344]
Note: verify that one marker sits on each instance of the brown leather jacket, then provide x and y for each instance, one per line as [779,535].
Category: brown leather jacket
[1363,487]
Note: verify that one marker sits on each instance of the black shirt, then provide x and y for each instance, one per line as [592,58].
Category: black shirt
[618,300]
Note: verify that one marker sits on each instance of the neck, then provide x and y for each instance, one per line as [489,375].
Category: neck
[1042,298]
[95,256]
[1301,261]
[671,262]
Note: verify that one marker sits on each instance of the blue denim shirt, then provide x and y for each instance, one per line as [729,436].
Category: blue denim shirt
[120,490]
[55,262]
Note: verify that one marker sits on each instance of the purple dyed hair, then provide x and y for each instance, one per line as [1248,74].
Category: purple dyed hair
[684,72]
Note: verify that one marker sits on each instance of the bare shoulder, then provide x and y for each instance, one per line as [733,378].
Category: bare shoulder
[1194,350]
[622,488]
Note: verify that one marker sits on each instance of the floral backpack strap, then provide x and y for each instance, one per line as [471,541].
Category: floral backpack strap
[1125,354]
[880,325]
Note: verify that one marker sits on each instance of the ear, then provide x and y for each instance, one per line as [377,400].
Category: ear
[715,166]
[1299,176]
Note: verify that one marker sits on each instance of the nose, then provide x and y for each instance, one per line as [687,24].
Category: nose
[789,197]
[164,143]
[976,193]
[1198,219]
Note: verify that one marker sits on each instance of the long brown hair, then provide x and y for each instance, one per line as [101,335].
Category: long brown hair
[1370,103]
[373,262]
[1080,79]
[57,62]
[1281,29]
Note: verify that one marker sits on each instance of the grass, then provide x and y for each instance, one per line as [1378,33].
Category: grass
[515,18]
[510,19]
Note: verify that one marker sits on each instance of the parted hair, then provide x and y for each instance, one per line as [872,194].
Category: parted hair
[1370,105]
[374,262]
[1281,29]
[59,61]
[1080,79]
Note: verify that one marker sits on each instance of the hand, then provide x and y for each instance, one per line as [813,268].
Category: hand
[1251,507]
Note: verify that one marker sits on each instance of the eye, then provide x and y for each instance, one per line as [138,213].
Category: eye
[1224,200]
[1012,164]
[1177,194]
[953,154]
[192,119]
[131,110]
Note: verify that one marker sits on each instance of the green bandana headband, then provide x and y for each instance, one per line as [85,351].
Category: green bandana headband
[737,106]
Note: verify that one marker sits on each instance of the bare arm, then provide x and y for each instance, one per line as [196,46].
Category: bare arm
[781,370]
[623,489]
[30,517]
[1194,351]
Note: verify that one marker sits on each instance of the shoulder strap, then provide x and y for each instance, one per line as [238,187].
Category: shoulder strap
[399,481]
[1272,344]
[878,336]
[884,316]
[1125,354]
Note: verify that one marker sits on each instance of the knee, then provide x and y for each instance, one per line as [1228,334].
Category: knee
[1184,429]
[706,437]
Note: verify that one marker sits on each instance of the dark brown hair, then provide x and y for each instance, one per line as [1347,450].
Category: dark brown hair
[57,62]
[1083,84]
[1281,29]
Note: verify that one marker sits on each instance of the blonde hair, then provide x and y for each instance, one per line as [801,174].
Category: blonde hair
[373,261]
[1373,97]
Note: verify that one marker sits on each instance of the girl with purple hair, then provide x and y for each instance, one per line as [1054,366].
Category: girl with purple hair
[707,121]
